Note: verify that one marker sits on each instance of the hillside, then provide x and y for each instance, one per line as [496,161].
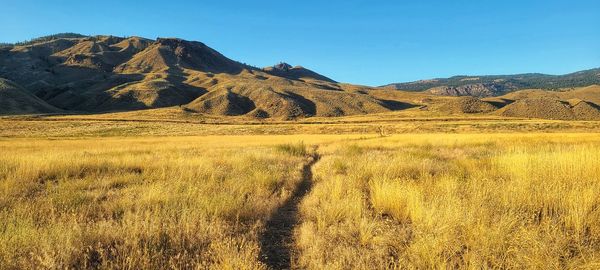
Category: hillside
[107,74]
[484,86]
[15,100]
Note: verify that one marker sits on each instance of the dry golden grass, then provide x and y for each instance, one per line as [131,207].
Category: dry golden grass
[150,203]
[455,201]
[117,125]
[429,200]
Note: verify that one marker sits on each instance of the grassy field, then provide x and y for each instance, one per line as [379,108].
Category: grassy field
[455,201]
[360,200]
[141,203]
[69,127]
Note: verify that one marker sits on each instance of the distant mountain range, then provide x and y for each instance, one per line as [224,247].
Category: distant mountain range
[484,86]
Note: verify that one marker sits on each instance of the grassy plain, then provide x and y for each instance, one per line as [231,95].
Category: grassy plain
[446,201]
[488,193]
[139,203]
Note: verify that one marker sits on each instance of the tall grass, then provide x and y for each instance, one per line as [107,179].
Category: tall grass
[294,149]
[138,204]
[464,203]
[427,201]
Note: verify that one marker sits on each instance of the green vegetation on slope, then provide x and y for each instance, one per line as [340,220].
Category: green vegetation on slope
[507,83]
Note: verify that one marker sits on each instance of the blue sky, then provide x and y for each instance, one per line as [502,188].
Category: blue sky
[357,41]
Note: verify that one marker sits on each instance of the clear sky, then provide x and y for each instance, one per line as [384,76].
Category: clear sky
[357,41]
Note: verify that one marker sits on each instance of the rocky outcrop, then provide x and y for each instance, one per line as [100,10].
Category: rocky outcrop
[474,90]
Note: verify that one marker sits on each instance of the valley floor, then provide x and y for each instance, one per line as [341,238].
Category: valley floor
[148,124]
[344,194]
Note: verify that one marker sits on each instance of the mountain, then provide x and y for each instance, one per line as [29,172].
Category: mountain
[107,73]
[485,86]
[15,100]
[72,73]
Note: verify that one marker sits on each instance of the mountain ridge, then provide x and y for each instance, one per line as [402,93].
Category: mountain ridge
[107,74]
[494,85]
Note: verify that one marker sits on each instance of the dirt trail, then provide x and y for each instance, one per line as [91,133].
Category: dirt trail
[278,240]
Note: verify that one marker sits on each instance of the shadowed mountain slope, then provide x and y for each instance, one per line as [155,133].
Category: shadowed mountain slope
[15,100]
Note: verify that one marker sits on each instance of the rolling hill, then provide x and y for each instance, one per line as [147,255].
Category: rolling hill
[578,104]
